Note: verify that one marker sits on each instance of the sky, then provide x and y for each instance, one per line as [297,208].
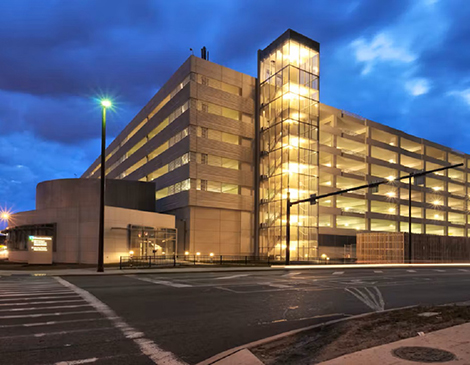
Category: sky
[402,63]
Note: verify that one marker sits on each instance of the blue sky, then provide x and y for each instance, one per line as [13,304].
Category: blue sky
[405,64]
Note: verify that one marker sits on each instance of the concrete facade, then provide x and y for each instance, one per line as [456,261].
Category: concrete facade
[200,140]
[195,141]
[71,206]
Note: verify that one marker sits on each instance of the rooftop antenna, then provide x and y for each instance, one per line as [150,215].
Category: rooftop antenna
[192,52]
[204,53]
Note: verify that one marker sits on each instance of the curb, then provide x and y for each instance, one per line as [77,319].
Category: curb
[224,269]
[225,354]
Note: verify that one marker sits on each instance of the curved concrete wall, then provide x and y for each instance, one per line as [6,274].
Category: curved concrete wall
[71,193]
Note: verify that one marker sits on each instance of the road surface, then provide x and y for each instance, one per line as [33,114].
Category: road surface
[186,318]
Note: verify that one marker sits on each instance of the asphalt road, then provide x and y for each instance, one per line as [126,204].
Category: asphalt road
[144,319]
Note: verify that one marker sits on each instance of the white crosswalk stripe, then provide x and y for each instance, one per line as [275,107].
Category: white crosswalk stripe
[338,273]
[44,309]
[411,270]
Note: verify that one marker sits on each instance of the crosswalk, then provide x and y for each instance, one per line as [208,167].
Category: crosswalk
[46,320]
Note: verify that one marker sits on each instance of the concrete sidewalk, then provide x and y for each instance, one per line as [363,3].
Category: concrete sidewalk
[453,339]
[196,269]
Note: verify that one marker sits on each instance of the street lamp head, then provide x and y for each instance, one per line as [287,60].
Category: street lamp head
[5,216]
[106,103]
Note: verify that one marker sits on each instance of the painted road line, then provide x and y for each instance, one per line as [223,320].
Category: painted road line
[65,292]
[58,333]
[161,282]
[338,273]
[80,362]
[147,347]
[37,315]
[36,298]
[39,308]
[292,274]
[45,302]
[378,271]
[367,297]
[440,270]
[231,277]
[51,323]
[463,270]
[411,270]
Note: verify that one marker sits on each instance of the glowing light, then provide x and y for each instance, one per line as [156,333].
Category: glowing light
[198,253]
[106,103]
[391,210]
[323,256]
[436,215]
[390,194]
[131,252]
[328,165]
[391,161]
[5,216]
[328,183]
[437,202]
[346,224]
[390,178]
[436,188]
[346,209]
[211,254]
[186,253]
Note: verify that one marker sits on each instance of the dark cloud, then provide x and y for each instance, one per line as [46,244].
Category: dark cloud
[56,56]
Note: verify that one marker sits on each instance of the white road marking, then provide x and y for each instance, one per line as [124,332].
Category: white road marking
[78,362]
[39,308]
[58,333]
[411,270]
[368,297]
[464,270]
[161,282]
[281,286]
[292,274]
[35,298]
[440,270]
[231,277]
[45,302]
[147,347]
[378,271]
[338,273]
[50,323]
[45,314]
[64,292]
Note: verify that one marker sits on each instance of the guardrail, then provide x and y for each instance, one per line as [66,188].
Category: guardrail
[140,262]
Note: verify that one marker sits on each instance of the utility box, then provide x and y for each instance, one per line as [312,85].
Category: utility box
[40,250]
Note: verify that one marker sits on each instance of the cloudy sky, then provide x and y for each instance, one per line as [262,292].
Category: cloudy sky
[405,64]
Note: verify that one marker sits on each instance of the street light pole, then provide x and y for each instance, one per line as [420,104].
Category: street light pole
[287,230]
[409,220]
[105,104]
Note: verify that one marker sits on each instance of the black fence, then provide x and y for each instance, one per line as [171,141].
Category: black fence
[145,262]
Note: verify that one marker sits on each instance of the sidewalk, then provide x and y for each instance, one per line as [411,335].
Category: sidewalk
[453,339]
[195,269]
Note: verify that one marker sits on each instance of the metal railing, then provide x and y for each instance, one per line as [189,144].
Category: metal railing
[146,262]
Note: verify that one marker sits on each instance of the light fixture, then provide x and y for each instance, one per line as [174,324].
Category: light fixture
[436,188]
[390,194]
[391,210]
[390,178]
[198,253]
[106,103]
[323,256]
[186,253]
[211,254]
[131,252]
[437,202]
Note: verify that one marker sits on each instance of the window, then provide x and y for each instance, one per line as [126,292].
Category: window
[173,189]
[218,110]
[217,187]
[219,136]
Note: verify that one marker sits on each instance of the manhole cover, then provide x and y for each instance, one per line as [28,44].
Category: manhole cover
[423,354]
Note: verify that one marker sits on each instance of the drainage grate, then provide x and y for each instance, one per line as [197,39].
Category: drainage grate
[423,354]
